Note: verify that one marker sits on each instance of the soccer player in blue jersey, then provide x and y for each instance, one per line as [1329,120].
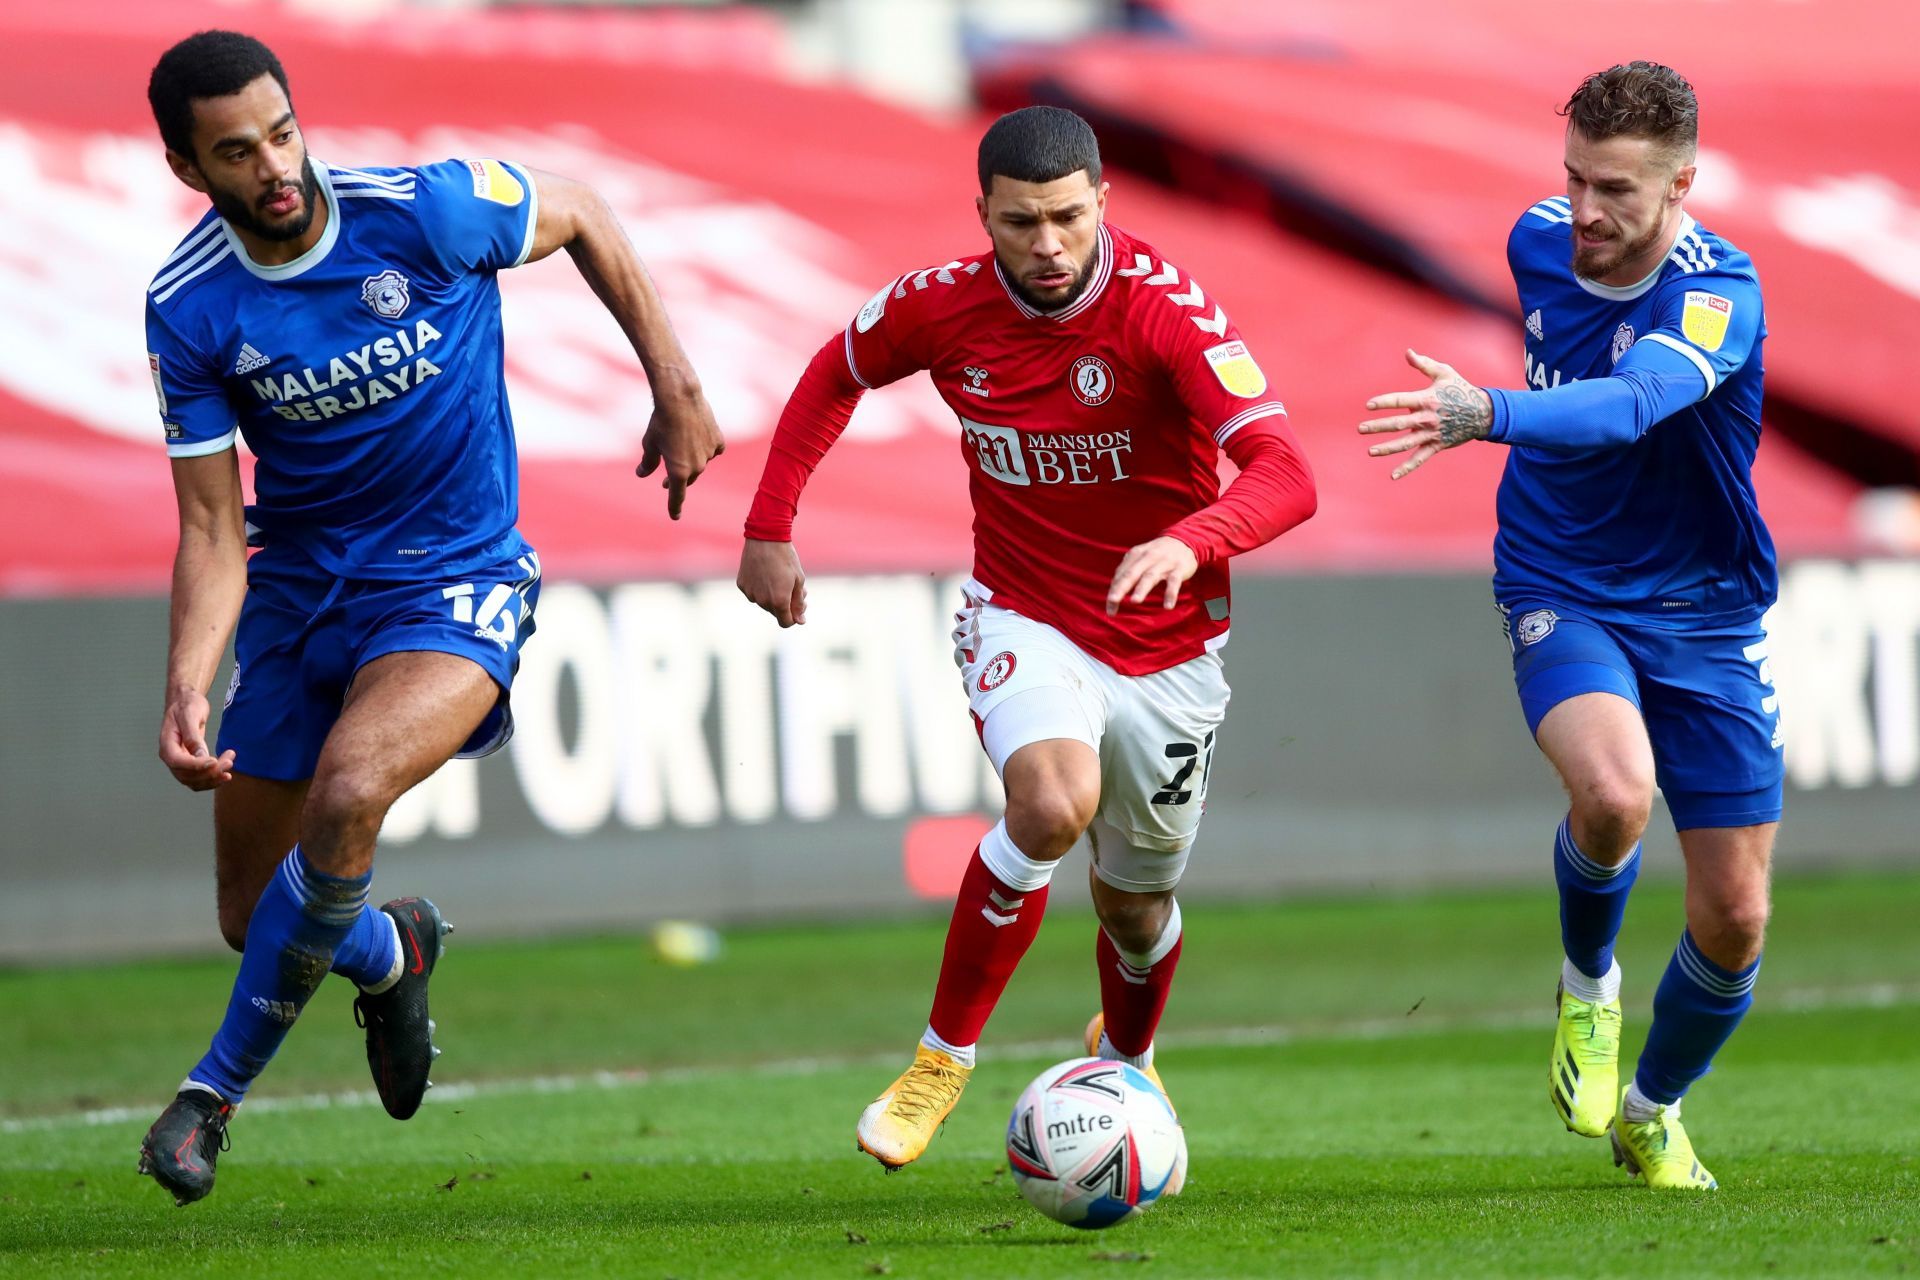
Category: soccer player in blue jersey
[346,322]
[1632,569]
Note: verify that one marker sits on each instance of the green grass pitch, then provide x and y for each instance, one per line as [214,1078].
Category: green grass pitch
[1362,1081]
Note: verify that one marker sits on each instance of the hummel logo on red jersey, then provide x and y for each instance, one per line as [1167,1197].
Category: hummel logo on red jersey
[1168,274]
[1216,324]
[249,360]
[976,376]
[918,279]
[1143,266]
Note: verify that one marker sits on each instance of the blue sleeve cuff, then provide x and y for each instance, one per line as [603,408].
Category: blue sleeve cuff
[1502,414]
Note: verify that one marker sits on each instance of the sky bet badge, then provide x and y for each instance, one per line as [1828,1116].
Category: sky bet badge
[1704,319]
[494,181]
[1233,365]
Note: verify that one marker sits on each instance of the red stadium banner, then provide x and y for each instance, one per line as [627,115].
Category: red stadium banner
[768,213]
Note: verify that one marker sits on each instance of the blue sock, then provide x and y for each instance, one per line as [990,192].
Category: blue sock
[300,920]
[1593,901]
[1696,1008]
[370,953]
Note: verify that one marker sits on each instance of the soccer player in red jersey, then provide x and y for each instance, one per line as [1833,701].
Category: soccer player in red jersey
[1095,385]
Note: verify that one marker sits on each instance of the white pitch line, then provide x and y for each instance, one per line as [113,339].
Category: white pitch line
[1879,995]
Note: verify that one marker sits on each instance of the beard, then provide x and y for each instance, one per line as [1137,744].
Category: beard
[245,212]
[1592,264]
[1075,288]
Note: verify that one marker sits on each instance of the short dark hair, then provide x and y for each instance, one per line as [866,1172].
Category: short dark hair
[1638,100]
[207,64]
[1038,144]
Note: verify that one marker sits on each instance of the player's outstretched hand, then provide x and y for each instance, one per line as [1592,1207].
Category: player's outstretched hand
[1162,564]
[183,743]
[1450,412]
[683,435]
[771,577]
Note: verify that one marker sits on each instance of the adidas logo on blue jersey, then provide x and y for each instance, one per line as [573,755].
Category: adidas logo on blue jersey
[249,360]
[1534,327]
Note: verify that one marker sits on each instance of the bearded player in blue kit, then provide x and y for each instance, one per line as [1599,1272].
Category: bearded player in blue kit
[1632,569]
[346,322]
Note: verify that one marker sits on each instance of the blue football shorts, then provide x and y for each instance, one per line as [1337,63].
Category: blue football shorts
[1705,693]
[304,633]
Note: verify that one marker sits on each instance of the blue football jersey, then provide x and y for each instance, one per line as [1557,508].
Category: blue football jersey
[366,375]
[1663,525]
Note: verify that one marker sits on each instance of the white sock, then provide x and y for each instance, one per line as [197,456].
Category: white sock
[191,1083]
[1604,989]
[1637,1107]
[962,1054]
[399,962]
[1105,1049]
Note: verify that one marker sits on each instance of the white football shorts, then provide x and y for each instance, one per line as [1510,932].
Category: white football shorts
[1155,734]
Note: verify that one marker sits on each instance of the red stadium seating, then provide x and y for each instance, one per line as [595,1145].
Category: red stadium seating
[769,211]
[1414,144]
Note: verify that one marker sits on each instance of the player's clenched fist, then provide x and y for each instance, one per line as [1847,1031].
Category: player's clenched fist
[183,743]
[1164,563]
[771,577]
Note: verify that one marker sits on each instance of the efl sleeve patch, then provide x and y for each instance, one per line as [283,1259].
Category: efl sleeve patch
[1234,366]
[876,307]
[159,387]
[494,181]
[1704,319]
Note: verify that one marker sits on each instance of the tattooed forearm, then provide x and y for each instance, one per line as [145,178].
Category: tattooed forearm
[1464,412]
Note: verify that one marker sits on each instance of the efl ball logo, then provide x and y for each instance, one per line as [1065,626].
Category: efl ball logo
[386,293]
[995,674]
[1092,380]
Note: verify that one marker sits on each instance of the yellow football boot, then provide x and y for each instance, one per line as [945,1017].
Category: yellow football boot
[1094,1029]
[1584,1077]
[1659,1150]
[897,1127]
[1178,1181]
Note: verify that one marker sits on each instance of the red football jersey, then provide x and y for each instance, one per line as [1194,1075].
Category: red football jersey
[1086,431]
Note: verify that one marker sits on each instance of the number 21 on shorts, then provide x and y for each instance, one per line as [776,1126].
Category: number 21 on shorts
[1190,757]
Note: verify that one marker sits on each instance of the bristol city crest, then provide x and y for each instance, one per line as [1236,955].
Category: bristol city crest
[386,293]
[995,673]
[1092,380]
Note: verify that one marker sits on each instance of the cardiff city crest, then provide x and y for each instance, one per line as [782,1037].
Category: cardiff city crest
[1536,626]
[386,293]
